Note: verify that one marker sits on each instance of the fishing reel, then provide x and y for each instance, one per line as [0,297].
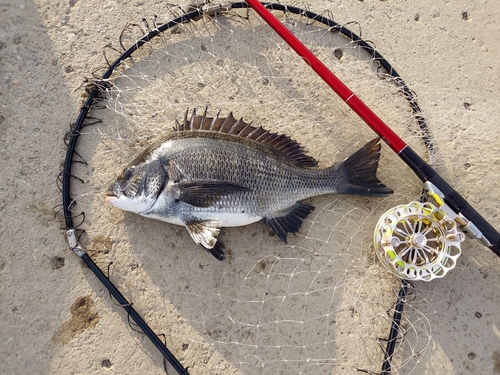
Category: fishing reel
[420,240]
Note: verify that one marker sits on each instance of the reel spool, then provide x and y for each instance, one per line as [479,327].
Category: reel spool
[417,241]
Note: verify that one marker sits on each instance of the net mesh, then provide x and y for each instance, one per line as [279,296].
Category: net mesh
[321,303]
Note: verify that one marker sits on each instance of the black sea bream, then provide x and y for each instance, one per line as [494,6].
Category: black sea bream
[222,172]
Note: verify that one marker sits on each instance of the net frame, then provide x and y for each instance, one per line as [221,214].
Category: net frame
[93,99]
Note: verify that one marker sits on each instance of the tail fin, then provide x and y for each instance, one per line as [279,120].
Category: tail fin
[359,172]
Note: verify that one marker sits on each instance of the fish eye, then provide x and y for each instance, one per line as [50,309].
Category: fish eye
[128,172]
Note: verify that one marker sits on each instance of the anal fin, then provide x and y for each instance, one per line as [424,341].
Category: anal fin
[204,233]
[291,221]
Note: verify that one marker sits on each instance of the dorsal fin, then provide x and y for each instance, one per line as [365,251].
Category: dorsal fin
[239,128]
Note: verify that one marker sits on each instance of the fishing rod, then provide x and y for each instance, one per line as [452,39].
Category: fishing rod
[469,220]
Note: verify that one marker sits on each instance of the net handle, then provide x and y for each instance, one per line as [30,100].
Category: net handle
[489,235]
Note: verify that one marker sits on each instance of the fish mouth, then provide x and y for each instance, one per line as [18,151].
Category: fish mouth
[110,196]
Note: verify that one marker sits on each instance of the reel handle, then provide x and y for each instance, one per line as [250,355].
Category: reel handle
[473,224]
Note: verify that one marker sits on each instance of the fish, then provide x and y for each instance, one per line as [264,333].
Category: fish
[216,172]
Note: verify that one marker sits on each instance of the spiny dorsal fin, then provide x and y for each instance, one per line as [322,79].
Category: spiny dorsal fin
[242,129]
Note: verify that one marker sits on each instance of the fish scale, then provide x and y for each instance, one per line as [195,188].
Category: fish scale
[276,186]
[217,172]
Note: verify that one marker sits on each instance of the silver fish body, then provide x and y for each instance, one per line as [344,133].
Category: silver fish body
[220,172]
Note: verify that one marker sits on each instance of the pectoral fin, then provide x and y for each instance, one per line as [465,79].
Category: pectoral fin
[205,232]
[290,221]
[206,193]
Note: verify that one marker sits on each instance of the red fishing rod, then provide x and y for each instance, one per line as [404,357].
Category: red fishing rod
[436,188]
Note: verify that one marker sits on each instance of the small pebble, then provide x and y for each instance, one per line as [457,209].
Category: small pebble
[57,262]
[468,106]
